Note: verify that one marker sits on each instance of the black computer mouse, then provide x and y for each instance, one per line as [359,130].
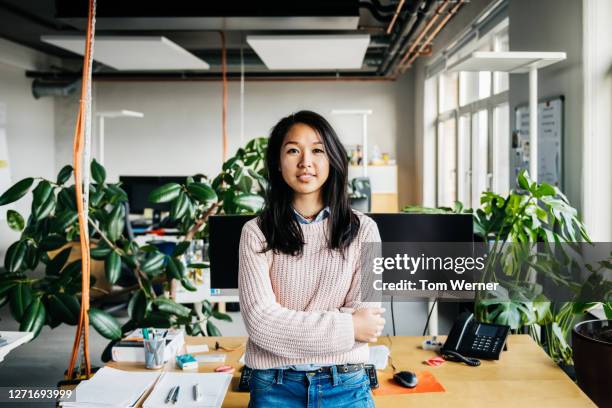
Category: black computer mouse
[406,379]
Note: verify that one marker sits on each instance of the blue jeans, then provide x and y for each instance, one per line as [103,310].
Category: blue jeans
[288,389]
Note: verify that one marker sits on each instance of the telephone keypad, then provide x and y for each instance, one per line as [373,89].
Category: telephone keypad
[484,343]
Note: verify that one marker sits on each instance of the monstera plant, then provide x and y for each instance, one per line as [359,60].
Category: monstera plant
[42,287]
[514,225]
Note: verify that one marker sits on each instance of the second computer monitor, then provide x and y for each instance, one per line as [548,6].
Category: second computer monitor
[398,227]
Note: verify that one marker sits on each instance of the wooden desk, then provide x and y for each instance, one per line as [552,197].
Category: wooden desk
[524,377]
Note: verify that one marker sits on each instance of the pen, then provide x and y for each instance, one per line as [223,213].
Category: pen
[169,396]
[176,394]
[197,393]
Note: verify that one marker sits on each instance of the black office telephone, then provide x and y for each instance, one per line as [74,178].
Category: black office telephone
[470,340]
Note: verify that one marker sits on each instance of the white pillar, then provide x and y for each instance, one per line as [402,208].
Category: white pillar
[432,327]
[101,140]
[533,123]
[364,162]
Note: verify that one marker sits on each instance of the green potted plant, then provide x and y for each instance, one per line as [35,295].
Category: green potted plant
[512,226]
[47,233]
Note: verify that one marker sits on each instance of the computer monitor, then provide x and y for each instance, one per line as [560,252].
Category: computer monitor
[138,189]
[398,227]
[224,240]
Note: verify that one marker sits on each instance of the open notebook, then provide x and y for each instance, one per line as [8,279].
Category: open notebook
[110,387]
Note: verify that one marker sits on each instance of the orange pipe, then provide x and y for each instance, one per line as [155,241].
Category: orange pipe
[432,35]
[77,155]
[395,15]
[424,31]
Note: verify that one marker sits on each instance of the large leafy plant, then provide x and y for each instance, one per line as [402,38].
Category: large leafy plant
[513,225]
[53,298]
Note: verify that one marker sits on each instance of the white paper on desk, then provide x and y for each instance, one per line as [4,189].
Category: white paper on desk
[210,358]
[241,360]
[196,348]
[212,385]
[378,356]
[112,387]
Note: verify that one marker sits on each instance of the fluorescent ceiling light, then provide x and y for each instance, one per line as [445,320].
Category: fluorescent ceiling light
[310,52]
[124,113]
[132,53]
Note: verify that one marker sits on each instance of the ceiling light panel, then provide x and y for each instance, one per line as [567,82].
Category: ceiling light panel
[153,53]
[310,52]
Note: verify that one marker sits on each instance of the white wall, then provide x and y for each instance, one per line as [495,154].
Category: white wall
[30,139]
[553,25]
[180,133]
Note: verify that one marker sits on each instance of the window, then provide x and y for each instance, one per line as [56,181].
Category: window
[466,146]
[447,164]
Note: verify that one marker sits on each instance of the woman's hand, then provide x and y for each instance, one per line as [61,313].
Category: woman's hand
[368,324]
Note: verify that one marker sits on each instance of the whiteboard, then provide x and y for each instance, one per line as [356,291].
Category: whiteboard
[550,141]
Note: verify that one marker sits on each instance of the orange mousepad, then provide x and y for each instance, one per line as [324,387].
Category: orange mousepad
[427,383]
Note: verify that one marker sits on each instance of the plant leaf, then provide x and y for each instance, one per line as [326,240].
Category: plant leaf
[64,308]
[202,192]
[64,174]
[212,329]
[20,298]
[17,191]
[153,263]
[33,317]
[98,172]
[187,284]
[64,220]
[165,193]
[15,220]
[105,324]
[522,180]
[15,255]
[45,209]
[116,223]
[100,252]
[138,306]
[175,268]
[55,265]
[180,248]
[6,285]
[221,316]
[170,306]
[250,202]
[51,242]
[112,267]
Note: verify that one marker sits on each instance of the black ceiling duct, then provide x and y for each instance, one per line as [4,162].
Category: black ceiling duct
[62,87]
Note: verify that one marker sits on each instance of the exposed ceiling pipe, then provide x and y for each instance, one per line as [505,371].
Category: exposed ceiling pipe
[400,37]
[389,8]
[65,87]
[431,36]
[417,41]
[395,15]
[383,18]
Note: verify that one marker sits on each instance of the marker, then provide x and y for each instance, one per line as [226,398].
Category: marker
[176,394]
[169,396]
[197,392]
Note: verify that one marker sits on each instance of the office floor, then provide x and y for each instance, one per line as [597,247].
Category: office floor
[43,361]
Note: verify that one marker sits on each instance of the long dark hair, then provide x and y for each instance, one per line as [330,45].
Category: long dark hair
[277,220]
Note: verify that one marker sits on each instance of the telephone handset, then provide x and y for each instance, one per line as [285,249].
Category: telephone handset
[470,340]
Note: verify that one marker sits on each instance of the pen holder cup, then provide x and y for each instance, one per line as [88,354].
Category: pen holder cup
[154,352]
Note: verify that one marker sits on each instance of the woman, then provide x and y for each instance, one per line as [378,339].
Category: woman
[299,276]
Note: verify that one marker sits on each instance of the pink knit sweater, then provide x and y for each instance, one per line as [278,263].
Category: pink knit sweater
[297,309]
